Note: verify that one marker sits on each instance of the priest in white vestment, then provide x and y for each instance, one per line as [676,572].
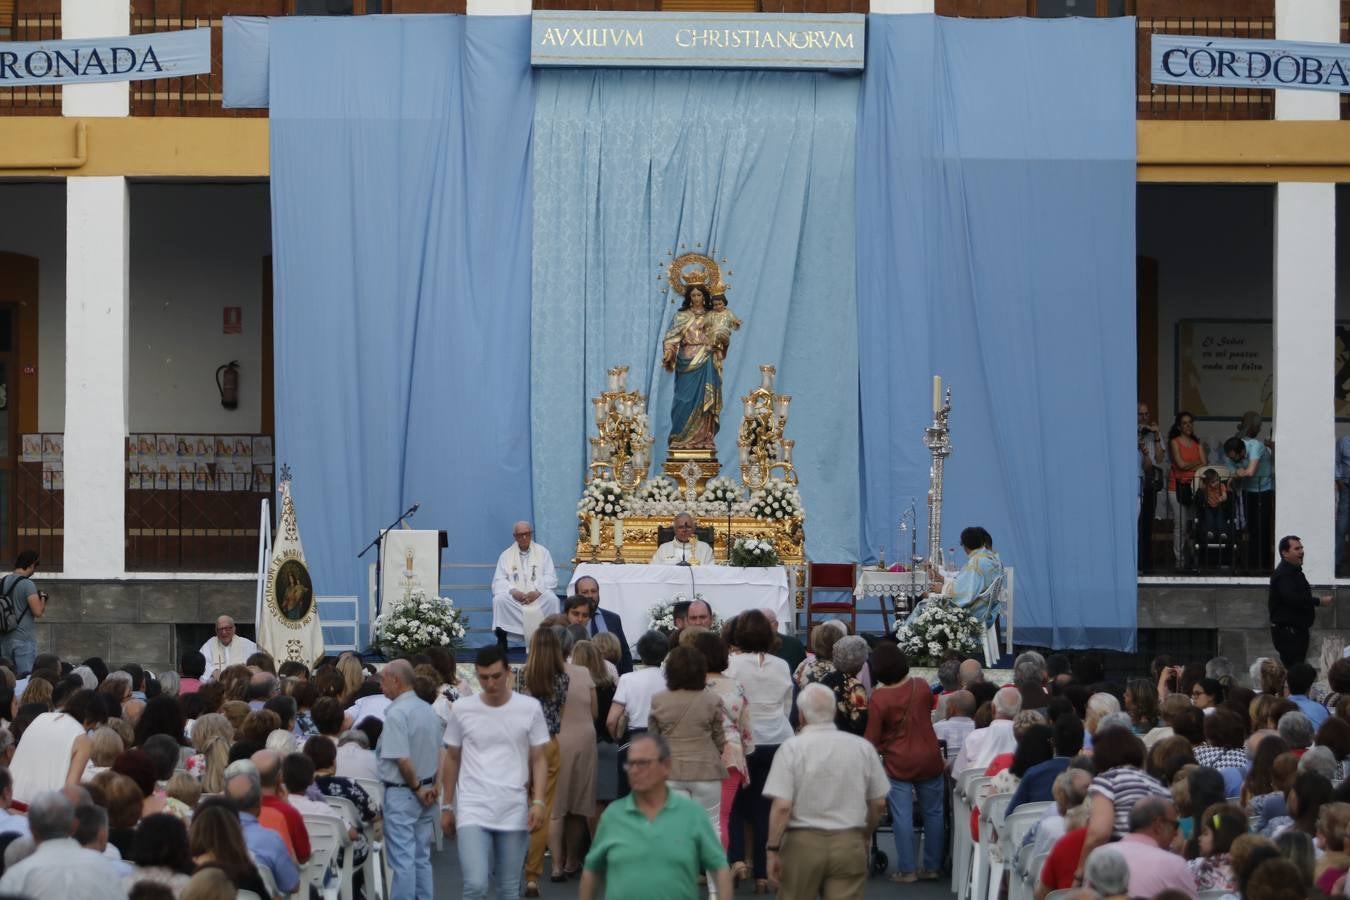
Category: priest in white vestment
[685,548]
[525,578]
[225,649]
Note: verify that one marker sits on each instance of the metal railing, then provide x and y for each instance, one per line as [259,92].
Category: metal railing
[202,519]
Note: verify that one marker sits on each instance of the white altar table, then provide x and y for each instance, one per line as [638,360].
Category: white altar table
[632,590]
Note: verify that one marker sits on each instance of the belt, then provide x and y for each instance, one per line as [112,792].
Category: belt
[399,784]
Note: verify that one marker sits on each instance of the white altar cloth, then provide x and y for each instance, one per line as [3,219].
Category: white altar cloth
[632,590]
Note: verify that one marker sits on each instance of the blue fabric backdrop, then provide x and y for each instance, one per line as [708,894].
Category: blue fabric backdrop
[401,228]
[996,192]
[631,165]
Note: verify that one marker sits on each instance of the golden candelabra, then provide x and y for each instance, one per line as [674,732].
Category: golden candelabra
[763,449]
[622,451]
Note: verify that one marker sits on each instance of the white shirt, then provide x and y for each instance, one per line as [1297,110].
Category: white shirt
[672,553]
[374,705]
[11,822]
[61,868]
[220,656]
[42,759]
[768,687]
[494,763]
[636,690]
[355,761]
[531,570]
[983,744]
[828,776]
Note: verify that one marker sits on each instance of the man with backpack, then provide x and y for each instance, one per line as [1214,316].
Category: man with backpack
[21,605]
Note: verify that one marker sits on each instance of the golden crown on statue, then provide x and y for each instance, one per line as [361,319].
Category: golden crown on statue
[690,269]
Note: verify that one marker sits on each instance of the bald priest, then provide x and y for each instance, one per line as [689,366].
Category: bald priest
[524,579]
[686,548]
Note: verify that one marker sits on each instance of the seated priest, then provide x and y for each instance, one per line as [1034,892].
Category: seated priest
[975,578]
[686,548]
[523,584]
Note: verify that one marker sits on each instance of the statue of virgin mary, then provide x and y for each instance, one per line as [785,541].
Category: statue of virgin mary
[694,348]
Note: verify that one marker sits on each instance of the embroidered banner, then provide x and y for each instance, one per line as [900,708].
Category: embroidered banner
[1246,63]
[697,40]
[136,57]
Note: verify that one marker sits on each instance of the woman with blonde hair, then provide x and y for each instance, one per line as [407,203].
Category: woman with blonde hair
[104,746]
[544,678]
[39,690]
[211,737]
[610,650]
[587,654]
[353,677]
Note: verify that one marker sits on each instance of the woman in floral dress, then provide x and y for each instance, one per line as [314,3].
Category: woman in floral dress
[735,722]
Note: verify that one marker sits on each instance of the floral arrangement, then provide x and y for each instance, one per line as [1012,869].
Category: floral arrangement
[721,490]
[777,499]
[941,626]
[661,617]
[752,552]
[603,498]
[659,490]
[418,621]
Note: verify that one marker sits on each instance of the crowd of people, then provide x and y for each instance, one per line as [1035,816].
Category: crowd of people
[1214,492]
[1197,778]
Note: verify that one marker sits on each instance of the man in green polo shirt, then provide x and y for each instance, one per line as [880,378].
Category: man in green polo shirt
[654,842]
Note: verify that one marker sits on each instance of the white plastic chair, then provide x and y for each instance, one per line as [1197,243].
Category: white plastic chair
[370,867]
[968,784]
[327,836]
[1015,827]
[265,875]
[987,874]
[1064,894]
[378,861]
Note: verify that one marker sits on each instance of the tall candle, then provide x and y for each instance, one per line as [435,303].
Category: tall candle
[595,530]
[937,393]
[618,532]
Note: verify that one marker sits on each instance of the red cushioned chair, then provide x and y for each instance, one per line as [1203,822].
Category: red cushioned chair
[836,582]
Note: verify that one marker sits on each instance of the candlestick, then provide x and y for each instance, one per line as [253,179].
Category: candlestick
[787,450]
[745,455]
[749,408]
[781,406]
[937,393]
[599,410]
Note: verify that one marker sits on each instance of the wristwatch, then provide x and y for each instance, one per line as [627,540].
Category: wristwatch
[539,803]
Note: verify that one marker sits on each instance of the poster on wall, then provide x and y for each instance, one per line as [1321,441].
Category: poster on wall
[1225,367]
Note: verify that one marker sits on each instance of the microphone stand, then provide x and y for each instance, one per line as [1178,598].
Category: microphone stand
[378,544]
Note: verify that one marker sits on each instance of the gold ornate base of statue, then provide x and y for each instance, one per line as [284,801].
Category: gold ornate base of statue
[620,462]
[639,537]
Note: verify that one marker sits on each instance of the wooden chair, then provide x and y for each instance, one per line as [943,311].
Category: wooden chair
[835,580]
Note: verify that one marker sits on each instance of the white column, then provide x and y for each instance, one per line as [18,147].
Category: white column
[97,314]
[95,18]
[1305,315]
[1307,20]
[902,6]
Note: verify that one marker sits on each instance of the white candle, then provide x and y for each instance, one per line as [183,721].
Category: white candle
[787,450]
[745,455]
[613,380]
[749,408]
[599,410]
[937,393]
[618,532]
[595,530]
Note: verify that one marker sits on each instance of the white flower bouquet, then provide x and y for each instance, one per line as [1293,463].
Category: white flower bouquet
[721,490]
[418,621]
[659,490]
[603,498]
[941,626]
[661,617]
[777,499]
[752,552]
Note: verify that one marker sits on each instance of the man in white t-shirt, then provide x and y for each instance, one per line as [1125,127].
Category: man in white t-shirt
[633,697]
[494,749]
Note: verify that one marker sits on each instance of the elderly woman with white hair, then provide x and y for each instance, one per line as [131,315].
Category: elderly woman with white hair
[850,697]
[1107,873]
[1099,706]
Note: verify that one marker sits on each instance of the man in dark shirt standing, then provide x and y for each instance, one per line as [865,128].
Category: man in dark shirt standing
[1292,604]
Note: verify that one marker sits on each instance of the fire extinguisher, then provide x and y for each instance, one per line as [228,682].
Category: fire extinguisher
[227,382]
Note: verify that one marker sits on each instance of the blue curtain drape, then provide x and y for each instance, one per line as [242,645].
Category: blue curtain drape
[401,227]
[632,165]
[996,192]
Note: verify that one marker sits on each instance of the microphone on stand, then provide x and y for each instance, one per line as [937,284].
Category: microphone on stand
[415,508]
[684,549]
